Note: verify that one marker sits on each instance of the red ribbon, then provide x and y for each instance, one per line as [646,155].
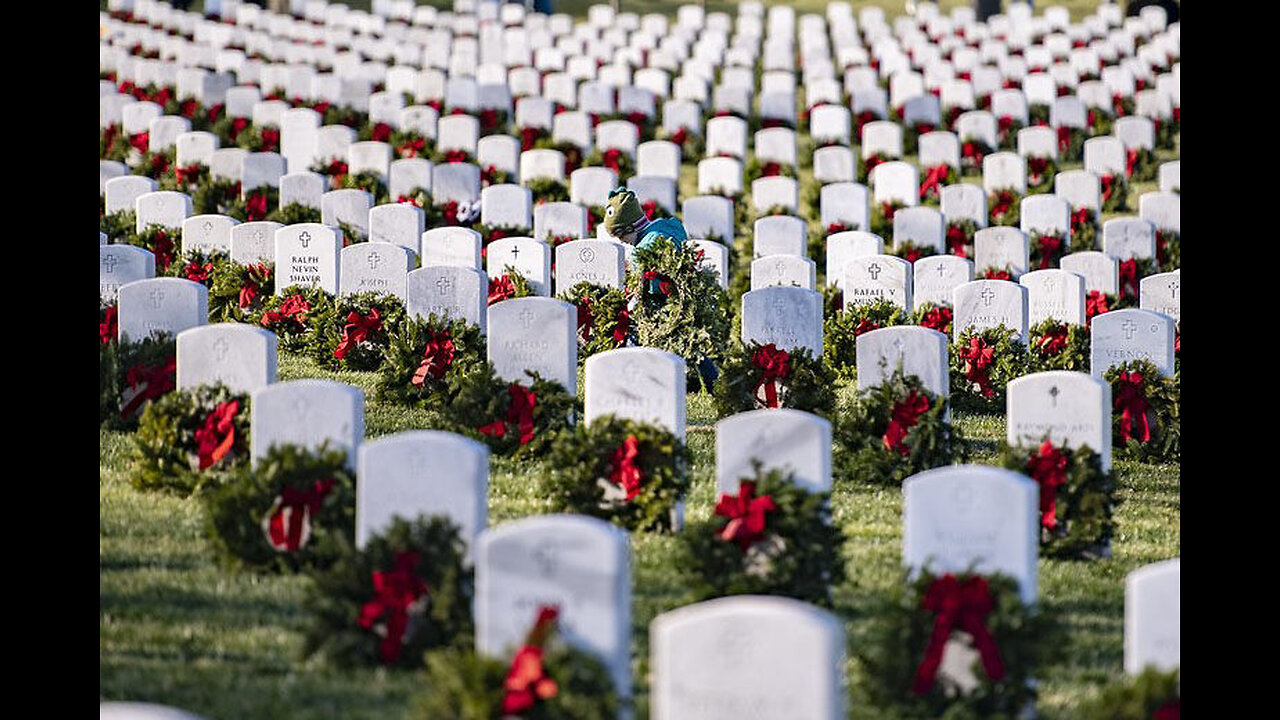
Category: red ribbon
[746,515]
[650,208]
[680,136]
[612,159]
[155,379]
[140,141]
[217,435]
[996,274]
[1171,710]
[964,605]
[356,330]
[1129,278]
[238,124]
[1048,467]
[450,212]
[300,504]
[957,240]
[188,174]
[1131,400]
[394,592]
[109,326]
[1130,161]
[1053,341]
[774,365]
[412,148]
[436,359]
[934,179]
[519,412]
[456,156]
[255,206]
[258,277]
[1080,218]
[1036,166]
[1107,183]
[836,227]
[294,308]
[1064,138]
[489,175]
[1049,247]
[771,169]
[584,317]
[977,361]
[1162,242]
[873,161]
[1095,303]
[937,318]
[904,417]
[623,470]
[500,289]
[488,118]
[622,327]
[527,681]
[528,137]
[1003,201]
[381,132]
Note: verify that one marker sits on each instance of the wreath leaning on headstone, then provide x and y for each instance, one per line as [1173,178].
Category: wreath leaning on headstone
[627,472]
[604,320]
[545,679]
[1151,695]
[840,332]
[982,364]
[188,436]
[893,431]
[1146,422]
[240,291]
[405,592]
[1000,642]
[773,537]
[295,315]
[285,513]
[427,360]
[132,374]
[519,418]
[755,376]
[1056,345]
[1076,496]
[356,333]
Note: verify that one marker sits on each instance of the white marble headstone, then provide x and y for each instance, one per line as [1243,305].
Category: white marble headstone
[637,383]
[307,413]
[160,305]
[536,334]
[1121,336]
[452,291]
[238,355]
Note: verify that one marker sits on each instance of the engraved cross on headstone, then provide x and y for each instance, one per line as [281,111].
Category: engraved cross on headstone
[527,317]
[443,284]
[515,252]
[374,258]
[110,263]
[1053,393]
[874,270]
[1173,289]
[987,296]
[220,348]
[942,269]
[208,229]
[631,372]
[157,298]
[305,238]
[1129,328]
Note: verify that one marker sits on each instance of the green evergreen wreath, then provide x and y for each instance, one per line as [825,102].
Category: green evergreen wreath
[604,321]
[911,252]
[1168,249]
[1004,207]
[934,316]
[772,537]
[882,217]
[137,372]
[756,169]
[1083,496]
[508,286]
[215,196]
[960,236]
[1047,249]
[369,181]
[1041,172]
[118,225]
[893,431]
[356,333]
[612,158]
[295,214]
[200,266]
[982,364]
[256,204]
[1028,638]
[162,242]
[463,685]
[840,332]
[1084,233]
[1055,345]
[295,315]
[546,189]
[240,291]
[1140,382]
[188,436]
[681,304]
[798,379]
[1151,695]
[427,359]
[491,410]
[347,609]
[239,511]
[627,472]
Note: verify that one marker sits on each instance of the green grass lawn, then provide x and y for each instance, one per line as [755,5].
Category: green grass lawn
[176,629]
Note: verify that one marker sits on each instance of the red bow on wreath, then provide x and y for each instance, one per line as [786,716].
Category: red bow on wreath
[217,435]
[1129,278]
[1081,217]
[774,365]
[1003,201]
[436,359]
[904,417]
[650,208]
[109,326]
[412,148]
[501,289]
[1107,185]
[623,469]
[527,682]
[612,159]
[584,317]
[680,136]
[770,169]
[1049,247]
[294,308]
[195,272]
[933,180]
[964,605]
[288,521]
[529,136]
[746,514]
[937,318]
[622,327]
[1095,303]
[255,206]
[977,361]
[1130,161]
[357,330]
[519,412]
[957,240]
[140,142]
[836,227]
[395,591]
[1064,138]
[255,282]
[1131,402]
[155,380]
[162,247]
[1048,467]
[381,132]
[188,174]
[1053,341]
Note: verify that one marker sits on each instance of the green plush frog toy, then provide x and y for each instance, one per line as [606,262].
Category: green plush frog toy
[625,220]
